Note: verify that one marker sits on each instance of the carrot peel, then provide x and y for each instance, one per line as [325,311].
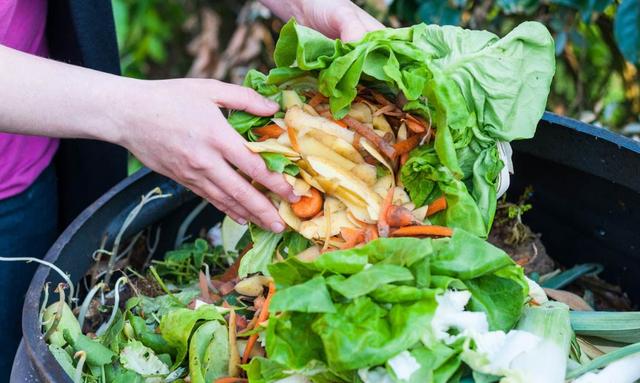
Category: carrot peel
[399,216]
[268,131]
[264,313]
[423,231]
[437,205]
[293,138]
[407,145]
[230,379]
[352,237]
[383,225]
[368,133]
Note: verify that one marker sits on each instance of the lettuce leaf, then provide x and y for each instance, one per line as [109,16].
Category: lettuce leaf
[465,256]
[501,295]
[311,296]
[177,325]
[290,341]
[363,333]
[259,257]
[369,279]
[278,163]
[209,352]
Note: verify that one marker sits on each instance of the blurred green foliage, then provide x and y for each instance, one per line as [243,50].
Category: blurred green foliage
[597,42]
[147,31]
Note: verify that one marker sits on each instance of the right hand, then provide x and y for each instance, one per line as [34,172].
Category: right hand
[176,128]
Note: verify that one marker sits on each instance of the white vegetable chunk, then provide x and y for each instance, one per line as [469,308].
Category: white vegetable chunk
[450,315]
[403,365]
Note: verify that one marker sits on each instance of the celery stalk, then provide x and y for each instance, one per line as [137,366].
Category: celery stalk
[547,361]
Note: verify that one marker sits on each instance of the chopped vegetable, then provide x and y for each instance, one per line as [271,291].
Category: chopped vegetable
[309,206]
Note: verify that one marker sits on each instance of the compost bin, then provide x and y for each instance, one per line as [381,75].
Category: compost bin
[586,183]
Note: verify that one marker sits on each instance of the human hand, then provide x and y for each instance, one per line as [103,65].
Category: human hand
[333,18]
[177,129]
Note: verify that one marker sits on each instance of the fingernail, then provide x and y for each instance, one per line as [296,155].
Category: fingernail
[277,227]
[241,221]
[270,104]
[294,198]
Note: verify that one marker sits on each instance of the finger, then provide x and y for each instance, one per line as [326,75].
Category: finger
[243,98]
[353,23]
[248,197]
[254,167]
[369,22]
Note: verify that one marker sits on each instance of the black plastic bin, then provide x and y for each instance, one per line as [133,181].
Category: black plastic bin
[586,200]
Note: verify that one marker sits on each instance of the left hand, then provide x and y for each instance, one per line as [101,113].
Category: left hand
[333,18]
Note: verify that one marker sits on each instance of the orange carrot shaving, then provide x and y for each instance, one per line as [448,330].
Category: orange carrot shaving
[423,231]
[350,234]
[407,145]
[293,138]
[264,313]
[370,233]
[383,225]
[415,124]
[352,237]
[230,379]
[400,216]
[268,131]
[436,206]
[316,100]
[368,133]
[307,207]
[340,122]
[404,157]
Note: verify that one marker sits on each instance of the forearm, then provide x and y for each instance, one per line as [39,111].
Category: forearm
[50,98]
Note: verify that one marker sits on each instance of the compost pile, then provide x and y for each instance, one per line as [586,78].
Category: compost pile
[398,147]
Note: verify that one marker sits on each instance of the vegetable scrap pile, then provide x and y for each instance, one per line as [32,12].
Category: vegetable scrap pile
[398,146]
[426,111]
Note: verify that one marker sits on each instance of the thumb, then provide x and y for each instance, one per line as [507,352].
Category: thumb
[346,21]
[352,32]
[242,98]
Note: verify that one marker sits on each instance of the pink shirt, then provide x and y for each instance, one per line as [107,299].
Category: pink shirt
[23,158]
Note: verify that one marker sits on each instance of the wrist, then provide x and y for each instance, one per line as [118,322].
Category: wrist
[122,110]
